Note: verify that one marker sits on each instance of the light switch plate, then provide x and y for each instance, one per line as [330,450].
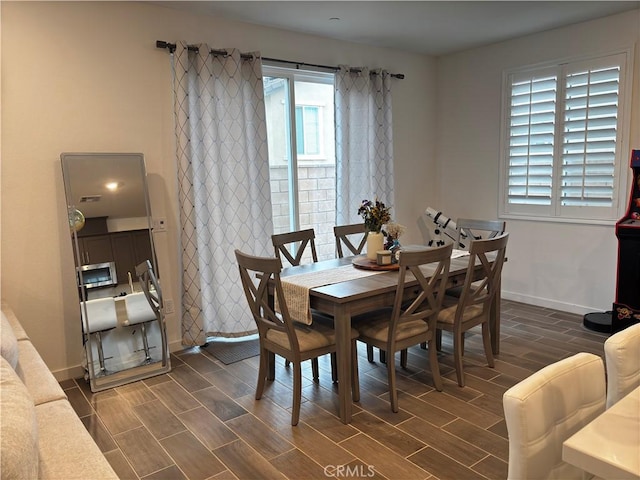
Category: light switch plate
[168,306]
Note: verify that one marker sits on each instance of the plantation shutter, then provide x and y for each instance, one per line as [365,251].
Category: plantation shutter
[531,138]
[564,139]
[590,136]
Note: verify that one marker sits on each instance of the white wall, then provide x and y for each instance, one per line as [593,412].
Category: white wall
[571,267]
[86,76]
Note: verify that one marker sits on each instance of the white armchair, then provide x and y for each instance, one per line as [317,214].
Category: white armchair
[545,409]
[622,357]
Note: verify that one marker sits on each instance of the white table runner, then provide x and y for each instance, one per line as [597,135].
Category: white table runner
[296,288]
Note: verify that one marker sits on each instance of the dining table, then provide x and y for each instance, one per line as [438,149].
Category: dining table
[609,445]
[354,295]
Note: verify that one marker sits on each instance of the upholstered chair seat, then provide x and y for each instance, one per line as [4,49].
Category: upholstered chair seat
[377,326]
[309,338]
[448,315]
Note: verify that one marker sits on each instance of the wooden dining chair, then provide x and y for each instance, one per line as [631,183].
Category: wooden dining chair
[474,305]
[353,237]
[279,334]
[293,245]
[412,322]
[468,229]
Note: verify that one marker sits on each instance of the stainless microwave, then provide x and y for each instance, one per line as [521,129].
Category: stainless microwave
[97,275]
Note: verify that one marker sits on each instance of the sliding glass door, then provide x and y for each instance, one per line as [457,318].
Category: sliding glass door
[301,138]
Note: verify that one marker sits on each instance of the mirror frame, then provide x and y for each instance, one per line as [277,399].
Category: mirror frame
[97,381]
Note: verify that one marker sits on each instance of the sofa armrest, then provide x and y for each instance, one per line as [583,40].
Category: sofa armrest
[18,331]
[66,448]
[18,427]
[40,382]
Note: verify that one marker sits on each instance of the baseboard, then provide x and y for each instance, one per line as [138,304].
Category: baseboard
[176,346]
[77,371]
[69,373]
[548,303]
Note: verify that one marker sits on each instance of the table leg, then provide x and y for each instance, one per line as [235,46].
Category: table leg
[342,325]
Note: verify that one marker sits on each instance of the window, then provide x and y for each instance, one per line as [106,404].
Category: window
[300,136]
[308,135]
[563,152]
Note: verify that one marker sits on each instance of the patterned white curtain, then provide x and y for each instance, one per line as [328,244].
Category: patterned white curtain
[223,185]
[364,140]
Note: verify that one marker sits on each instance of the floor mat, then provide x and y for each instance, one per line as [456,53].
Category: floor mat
[228,351]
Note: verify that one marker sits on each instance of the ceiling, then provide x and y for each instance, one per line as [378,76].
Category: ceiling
[427,27]
[86,176]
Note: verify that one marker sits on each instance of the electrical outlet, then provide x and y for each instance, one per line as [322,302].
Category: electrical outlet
[160,224]
[168,306]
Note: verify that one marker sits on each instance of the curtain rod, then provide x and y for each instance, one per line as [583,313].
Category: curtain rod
[172,48]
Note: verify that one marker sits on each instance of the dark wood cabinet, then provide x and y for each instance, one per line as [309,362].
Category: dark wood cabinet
[126,249]
[143,249]
[94,226]
[95,249]
[142,246]
[123,255]
[130,249]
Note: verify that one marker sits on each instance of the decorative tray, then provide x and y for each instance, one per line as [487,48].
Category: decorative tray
[361,261]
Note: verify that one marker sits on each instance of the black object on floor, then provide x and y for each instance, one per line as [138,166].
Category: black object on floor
[231,351]
[598,321]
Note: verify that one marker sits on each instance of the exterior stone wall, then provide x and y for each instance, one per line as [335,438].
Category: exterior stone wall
[317,201]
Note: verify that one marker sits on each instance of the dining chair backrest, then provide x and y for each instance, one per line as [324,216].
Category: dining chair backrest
[622,357]
[293,245]
[430,267]
[150,286]
[479,292]
[353,237]
[548,407]
[256,273]
[153,293]
[138,309]
[468,229]
[101,315]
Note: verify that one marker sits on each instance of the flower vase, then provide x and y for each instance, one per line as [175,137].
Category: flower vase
[375,242]
[395,251]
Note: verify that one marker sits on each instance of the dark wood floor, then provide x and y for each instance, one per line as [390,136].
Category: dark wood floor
[201,420]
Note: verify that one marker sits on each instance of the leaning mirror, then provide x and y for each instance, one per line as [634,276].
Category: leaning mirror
[120,299]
